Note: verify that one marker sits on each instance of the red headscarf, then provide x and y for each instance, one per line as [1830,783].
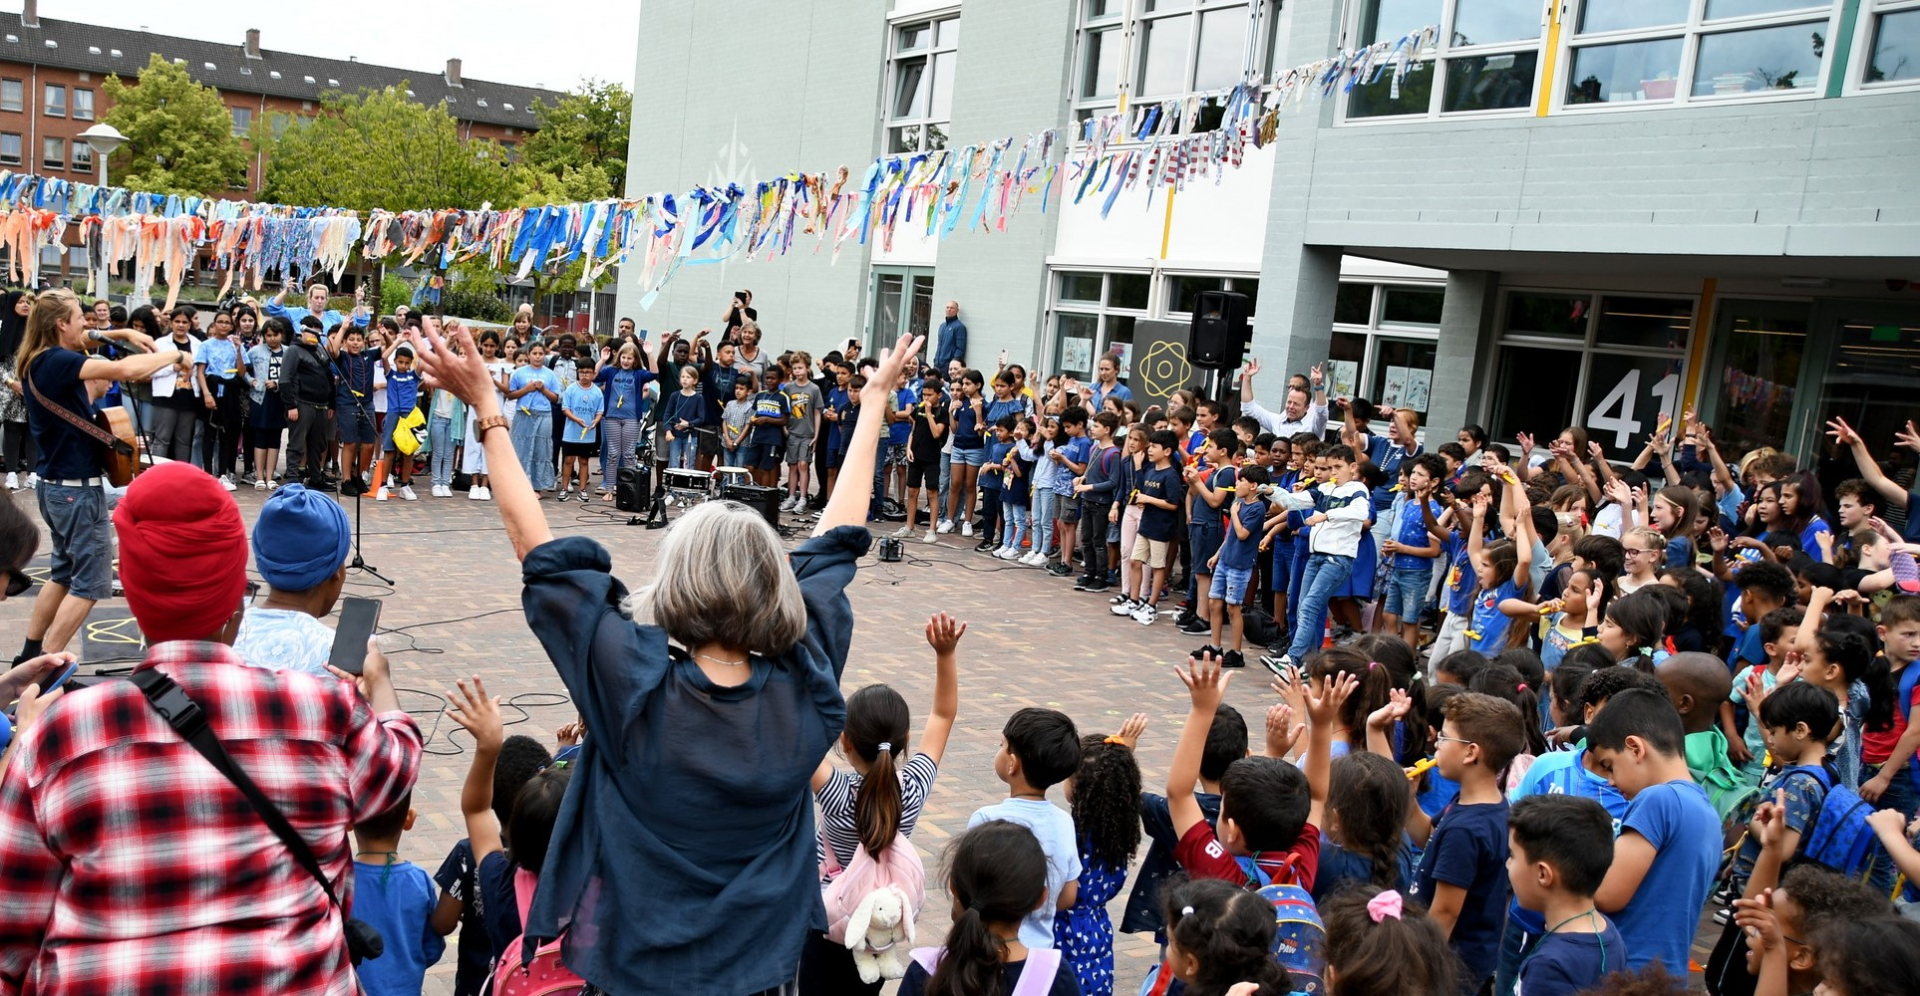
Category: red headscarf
[183,553]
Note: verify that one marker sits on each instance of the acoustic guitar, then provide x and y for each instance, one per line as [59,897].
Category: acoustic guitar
[112,427]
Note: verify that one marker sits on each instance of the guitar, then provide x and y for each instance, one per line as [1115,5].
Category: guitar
[111,427]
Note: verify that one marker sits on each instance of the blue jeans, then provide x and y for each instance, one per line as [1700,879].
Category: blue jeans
[1899,795]
[1045,505]
[440,437]
[1019,522]
[1325,574]
[82,538]
[682,450]
[533,444]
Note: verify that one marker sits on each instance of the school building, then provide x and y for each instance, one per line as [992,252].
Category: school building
[1567,212]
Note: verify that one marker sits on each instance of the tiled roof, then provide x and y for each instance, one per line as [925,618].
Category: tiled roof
[104,50]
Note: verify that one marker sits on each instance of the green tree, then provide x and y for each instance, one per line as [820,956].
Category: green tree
[179,134]
[378,149]
[587,127]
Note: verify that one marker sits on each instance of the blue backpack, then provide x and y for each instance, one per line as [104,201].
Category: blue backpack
[1839,838]
[1299,936]
[1909,677]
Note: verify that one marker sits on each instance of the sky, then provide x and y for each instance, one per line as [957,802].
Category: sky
[507,41]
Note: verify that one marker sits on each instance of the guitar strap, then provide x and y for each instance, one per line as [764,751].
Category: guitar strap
[99,435]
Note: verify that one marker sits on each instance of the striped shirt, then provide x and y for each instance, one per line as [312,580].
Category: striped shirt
[839,825]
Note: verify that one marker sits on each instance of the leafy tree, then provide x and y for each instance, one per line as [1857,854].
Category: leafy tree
[588,127]
[179,134]
[378,149]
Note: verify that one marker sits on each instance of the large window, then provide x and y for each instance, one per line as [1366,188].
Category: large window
[13,95]
[1892,44]
[1613,363]
[10,148]
[1675,51]
[1159,49]
[1093,314]
[56,105]
[53,152]
[82,104]
[1385,337]
[920,94]
[242,120]
[1487,57]
[82,156]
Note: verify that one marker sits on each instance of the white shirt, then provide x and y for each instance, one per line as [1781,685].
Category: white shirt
[1314,421]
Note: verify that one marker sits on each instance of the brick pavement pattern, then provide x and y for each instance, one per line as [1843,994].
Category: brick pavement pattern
[454,611]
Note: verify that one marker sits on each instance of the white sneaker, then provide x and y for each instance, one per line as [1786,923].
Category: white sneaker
[946,526]
[1123,606]
[1034,559]
[1145,614]
[476,492]
[930,537]
[382,494]
[226,483]
[902,532]
[406,492]
[486,493]
[13,481]
[966,528]
[33,480]
[259,484]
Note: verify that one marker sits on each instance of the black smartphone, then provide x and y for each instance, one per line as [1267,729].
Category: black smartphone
[358,618]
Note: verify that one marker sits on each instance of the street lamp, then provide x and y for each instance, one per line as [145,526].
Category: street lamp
[103,139]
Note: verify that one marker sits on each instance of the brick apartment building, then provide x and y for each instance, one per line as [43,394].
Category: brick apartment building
[51,73]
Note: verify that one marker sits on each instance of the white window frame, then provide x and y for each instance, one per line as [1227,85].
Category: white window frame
[80,156]
[46,97]
[1585,348]
[1378,328]
[1127,23]
[241,130]
[1690,34]
[897,57]
[74,102]
[1436,58]
[48,143]
[20,102]
[1864,31]
[19,154]
[1101,310]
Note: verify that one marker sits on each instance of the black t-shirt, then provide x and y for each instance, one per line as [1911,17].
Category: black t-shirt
[926,448]
[459,878]
[65,450]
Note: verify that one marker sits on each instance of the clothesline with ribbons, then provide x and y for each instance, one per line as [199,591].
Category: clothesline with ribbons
[1154,144]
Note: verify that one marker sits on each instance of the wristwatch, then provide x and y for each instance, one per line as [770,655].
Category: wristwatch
[489,422]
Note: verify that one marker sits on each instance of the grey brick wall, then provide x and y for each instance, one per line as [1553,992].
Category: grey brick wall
[733,89]
[1015,60]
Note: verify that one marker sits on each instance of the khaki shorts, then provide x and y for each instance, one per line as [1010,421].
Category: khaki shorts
[1151,552]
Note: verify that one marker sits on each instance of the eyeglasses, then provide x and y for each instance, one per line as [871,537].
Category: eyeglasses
[17,582]
[1442,738]
[1631,552]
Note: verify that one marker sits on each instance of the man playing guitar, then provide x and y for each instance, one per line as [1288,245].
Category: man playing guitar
[58,375]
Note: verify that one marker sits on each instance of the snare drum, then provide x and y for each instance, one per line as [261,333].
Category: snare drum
[695,485]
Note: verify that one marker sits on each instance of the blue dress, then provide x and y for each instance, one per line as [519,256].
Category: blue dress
[1084,933]
[1388,456]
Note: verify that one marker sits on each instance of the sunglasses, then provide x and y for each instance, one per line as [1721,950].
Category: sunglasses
[17,583]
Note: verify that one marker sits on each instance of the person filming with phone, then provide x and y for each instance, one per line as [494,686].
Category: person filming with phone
[131,839]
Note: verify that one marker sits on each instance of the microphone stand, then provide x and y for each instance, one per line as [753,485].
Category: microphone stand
[357,563]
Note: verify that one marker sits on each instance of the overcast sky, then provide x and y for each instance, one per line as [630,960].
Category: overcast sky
[552,43]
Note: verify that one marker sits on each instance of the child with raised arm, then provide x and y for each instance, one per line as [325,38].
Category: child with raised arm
[882,796]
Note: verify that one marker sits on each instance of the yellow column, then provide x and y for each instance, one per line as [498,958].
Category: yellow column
[1550,58]
[1697,355]
[1166,227]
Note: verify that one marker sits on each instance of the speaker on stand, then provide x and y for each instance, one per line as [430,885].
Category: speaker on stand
[1217,339]
[632,488]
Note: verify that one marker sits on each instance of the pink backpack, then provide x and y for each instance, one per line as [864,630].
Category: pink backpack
[541,975]
[1035,980]
[898,867]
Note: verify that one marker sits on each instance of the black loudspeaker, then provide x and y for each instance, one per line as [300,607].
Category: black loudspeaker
[632,488]
[1218,337]
[767,500]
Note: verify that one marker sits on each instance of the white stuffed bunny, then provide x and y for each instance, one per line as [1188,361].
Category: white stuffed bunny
[879,932]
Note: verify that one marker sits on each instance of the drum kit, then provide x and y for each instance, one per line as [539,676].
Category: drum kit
[687,487]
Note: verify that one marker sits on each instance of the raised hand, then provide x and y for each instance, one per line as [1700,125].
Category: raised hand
[1206,682]
[1252,367]
[1525,439]
[1282,731]
[478,714]
[1130,730]
[1908,437]
[1841,432]
[1327,694]
[1399,703]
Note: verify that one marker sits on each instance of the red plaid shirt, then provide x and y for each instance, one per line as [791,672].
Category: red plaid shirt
[129,864]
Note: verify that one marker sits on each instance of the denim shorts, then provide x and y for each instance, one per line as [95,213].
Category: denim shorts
[82,538]
[971,456]
[1230,585]
[356,428]
[1406,591]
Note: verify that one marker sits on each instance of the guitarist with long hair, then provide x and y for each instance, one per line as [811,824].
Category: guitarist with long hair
[58,379]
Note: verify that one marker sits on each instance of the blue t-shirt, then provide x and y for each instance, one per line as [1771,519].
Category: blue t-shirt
[1341,868]
[1019,487]
[1563,964]
[623,390]
[221,357]
[770,404]
[1158,523]
[1206,516]
[65,452]
[1461,581]
[1468,850]
[1659,922]
[1236,553]
[1438,795]
[966,427]
[582,403]
[1076,450]
[353,381]
[903,400]
[1489,623]
[996,452]
[403,391]
[842,402]
[1563,772]
[534,402]
[1810,537]
[1054,829]
[398,900]
[1750,648]
[458,877]
[1413,532]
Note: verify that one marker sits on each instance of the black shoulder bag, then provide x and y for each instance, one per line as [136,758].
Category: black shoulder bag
[184,715]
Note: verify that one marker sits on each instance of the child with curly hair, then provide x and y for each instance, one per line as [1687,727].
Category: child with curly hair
[1105,795]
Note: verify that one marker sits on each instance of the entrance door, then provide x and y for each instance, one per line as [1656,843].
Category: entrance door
[1872,368]
[901,302]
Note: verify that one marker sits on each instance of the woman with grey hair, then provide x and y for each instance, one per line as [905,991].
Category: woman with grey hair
[683,857]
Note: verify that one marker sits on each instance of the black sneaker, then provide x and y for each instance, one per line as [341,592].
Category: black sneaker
[1233,658]
[985,545]
[321,486]
[1204,650]
[1097,584]
[1081,583]
[1196,627]
[1059,570]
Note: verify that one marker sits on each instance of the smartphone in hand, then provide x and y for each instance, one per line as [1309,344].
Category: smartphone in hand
[358,619]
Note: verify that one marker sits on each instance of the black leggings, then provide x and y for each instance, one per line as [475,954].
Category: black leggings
[1093,538]
[826,969]
[224,425]
[16,444]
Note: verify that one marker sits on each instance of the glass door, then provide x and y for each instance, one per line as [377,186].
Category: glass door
[900,300]
[1872,365]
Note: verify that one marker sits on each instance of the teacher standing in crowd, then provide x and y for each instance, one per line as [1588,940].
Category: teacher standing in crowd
[56,379]
[686,841]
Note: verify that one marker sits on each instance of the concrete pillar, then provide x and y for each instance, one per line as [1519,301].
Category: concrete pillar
[1298,285]
[1459,365]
